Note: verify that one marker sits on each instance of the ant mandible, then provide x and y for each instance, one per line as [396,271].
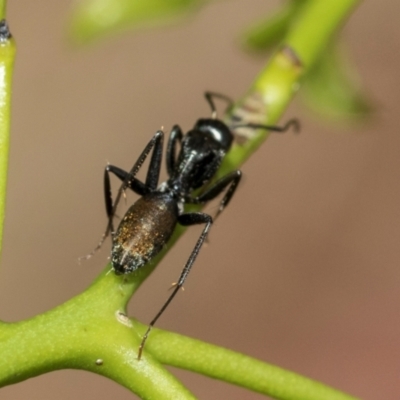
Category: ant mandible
[149,223]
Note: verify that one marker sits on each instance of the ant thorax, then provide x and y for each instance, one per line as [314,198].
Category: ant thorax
[165,187]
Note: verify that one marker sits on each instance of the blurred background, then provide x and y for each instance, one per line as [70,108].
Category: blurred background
[302,269]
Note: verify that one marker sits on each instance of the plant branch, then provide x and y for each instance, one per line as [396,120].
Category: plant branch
[7,55]
[3,4]
[314,27]
[238,369]
[89,332]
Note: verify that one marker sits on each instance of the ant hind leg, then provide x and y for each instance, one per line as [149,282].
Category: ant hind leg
[185,220]
[129,181]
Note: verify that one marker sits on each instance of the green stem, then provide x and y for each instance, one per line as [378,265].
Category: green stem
[7,55]
[229,366]
[89,332]
[3,4]
[314,27]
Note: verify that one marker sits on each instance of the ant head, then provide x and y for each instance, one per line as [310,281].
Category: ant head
[217,130]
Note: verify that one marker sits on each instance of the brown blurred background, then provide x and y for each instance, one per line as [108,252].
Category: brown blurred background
[302,269]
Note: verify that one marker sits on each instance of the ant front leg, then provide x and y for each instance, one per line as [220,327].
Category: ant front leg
[230,180]
[211,95]
[188,219]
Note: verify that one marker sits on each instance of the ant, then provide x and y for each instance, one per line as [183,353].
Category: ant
[149,223]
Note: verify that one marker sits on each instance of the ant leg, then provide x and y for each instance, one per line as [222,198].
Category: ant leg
[108,198]
[134,184]
[211,95]
[154,169]
[230,180]
[185,220]
[174,137]
[153,173]
[129,181]
[109,208]
[152,177]
[292,122]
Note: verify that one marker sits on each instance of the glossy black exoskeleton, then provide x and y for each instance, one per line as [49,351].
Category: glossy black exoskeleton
[150,221]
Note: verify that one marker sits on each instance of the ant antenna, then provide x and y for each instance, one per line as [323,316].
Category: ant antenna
[292,122]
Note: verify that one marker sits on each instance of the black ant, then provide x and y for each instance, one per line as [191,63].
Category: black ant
[150,221]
